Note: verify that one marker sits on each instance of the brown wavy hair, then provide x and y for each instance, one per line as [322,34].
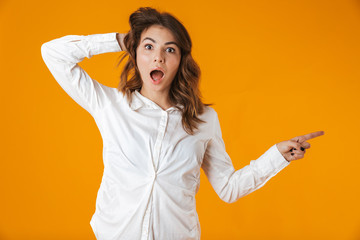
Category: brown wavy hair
[184,89]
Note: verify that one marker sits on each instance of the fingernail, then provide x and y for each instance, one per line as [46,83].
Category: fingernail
[302,149]
[292,154]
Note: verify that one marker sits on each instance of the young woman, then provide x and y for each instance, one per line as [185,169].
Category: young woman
[157,133]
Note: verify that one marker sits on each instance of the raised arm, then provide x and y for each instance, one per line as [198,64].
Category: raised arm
[62,56]
[229,184]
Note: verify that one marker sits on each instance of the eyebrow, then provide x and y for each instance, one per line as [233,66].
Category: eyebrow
[167,43]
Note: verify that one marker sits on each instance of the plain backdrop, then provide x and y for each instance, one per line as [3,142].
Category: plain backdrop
[274,70]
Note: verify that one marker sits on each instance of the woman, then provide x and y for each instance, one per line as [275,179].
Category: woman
[157,133]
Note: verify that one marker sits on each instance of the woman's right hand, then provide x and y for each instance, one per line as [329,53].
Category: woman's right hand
[120,39]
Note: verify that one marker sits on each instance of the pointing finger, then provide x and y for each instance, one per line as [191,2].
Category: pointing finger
[313,135]
[306,137]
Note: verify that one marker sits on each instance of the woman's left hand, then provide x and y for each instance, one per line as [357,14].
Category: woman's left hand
[294,148]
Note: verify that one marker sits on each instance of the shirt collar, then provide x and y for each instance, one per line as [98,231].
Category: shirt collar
[140,101]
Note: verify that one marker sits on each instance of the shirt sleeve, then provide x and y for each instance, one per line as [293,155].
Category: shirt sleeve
[230,185]
[62,56]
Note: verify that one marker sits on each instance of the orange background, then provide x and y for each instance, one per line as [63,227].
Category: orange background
[274,69]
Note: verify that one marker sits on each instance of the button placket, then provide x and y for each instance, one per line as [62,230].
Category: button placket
[159,138]
[145,227]
[156,155]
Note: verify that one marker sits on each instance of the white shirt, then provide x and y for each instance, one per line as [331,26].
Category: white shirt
[151,165]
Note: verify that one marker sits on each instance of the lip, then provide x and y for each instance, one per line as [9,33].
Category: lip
[160,80]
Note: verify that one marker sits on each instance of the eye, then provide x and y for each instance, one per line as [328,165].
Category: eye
[148,46]
[170,49]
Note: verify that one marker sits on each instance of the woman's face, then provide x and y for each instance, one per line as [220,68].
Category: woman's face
[157,58]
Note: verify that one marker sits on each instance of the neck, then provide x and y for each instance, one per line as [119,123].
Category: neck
[160,98]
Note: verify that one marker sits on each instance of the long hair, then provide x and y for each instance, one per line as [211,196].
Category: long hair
[184,89]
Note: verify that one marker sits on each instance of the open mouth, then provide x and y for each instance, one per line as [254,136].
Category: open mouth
[156,75]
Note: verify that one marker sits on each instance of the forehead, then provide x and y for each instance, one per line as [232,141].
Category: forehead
[158,33]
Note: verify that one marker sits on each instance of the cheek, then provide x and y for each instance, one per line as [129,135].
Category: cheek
[142,63]
[140,59]
[175,65]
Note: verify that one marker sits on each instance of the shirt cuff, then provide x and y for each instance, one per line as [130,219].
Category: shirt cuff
[277,159]
[103,43]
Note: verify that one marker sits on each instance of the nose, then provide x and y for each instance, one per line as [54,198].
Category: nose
[159,57]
